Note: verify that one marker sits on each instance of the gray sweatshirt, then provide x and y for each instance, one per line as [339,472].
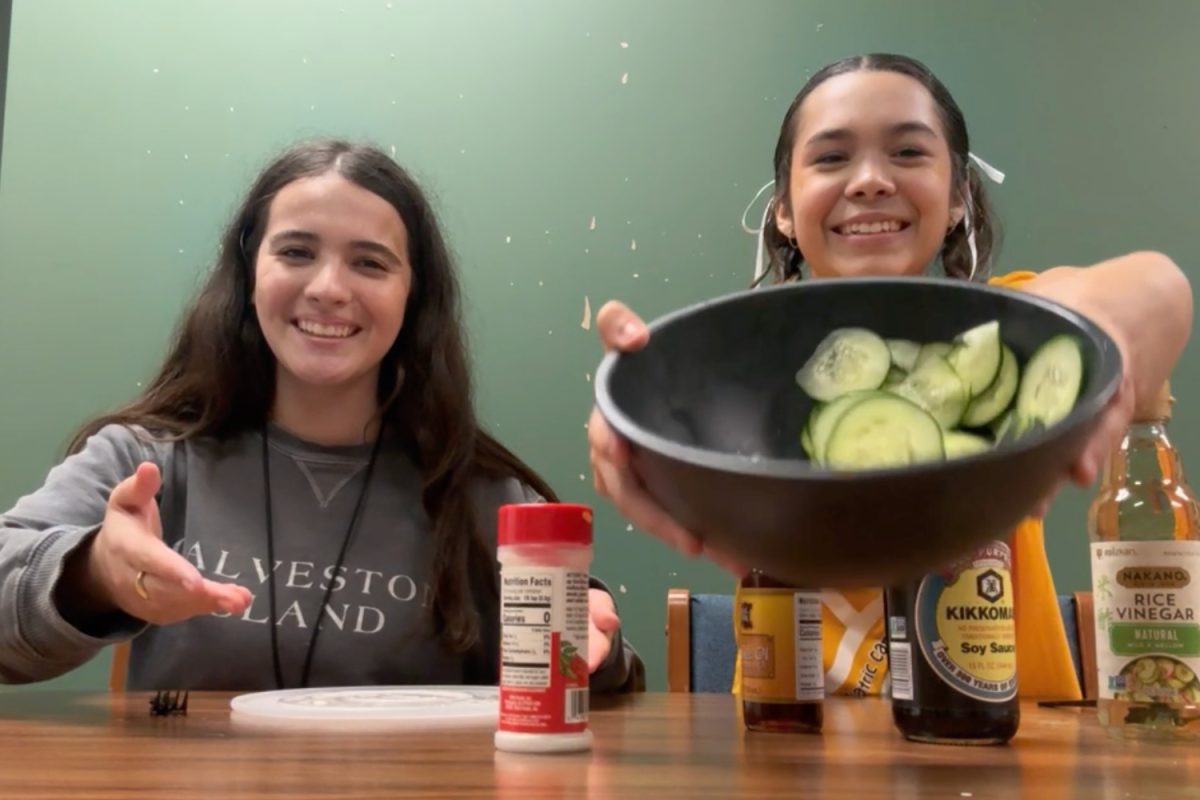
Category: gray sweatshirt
[377,629]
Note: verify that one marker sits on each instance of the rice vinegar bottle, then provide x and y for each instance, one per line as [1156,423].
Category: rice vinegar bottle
[1144,528]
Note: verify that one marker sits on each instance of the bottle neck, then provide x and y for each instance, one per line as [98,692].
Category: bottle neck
[1145,454]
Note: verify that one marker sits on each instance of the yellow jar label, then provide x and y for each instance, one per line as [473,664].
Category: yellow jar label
[779,637]
[965,625]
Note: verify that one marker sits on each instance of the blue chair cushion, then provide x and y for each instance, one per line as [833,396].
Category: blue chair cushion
[713,652]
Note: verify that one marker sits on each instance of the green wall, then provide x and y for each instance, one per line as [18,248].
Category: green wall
[132,126]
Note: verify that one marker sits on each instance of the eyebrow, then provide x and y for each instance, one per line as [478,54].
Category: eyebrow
[361,244]
[842,134]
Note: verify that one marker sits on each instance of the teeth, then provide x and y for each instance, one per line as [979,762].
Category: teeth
[329,331]
[866,228]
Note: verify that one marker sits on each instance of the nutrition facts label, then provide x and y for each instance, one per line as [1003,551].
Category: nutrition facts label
[534,603]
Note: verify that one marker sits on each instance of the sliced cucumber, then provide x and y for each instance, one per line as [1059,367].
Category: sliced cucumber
[875,398]
[847,360]
[894,377]
[989,405]
[1001,425]
[976,356]
[936,387]
[904,353]
[883,431]
[1050,383]
[960,443]
[826,417]
[932,349]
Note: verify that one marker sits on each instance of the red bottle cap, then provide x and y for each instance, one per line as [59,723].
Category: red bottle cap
[544,523]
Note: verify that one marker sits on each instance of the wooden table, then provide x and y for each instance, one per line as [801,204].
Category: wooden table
[657,746]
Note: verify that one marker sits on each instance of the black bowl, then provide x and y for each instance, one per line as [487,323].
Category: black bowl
[713,416]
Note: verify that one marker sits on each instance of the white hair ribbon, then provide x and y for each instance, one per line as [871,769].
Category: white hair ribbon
[995,175]
[761,263]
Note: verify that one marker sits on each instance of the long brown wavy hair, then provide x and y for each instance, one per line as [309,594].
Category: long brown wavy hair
[218,377]
[786,260]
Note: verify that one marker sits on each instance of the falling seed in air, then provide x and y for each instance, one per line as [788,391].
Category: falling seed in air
[636,275]
[180,202]
[304,61]
[624,45]
[592,224]
[666,280]
[699,235]
[392,55]
[156,70]
[586,250]
[586,324]
[582,477]
[147,152]
[187,108]
[624,78]
[627,179]
[540,283]
[463,151]
[549,333]
[231,109]
[393,149]
[622,590]
[461,95]
[633,244]
[819,26]
[508,240]
[674,574]
[139,384]
[393,102]
[512,283]
[588,377]
[389,5]
[181,250]
[312,108]
[185,156]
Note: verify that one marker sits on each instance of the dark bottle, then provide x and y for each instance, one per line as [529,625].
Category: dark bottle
[779,640]
[952,652]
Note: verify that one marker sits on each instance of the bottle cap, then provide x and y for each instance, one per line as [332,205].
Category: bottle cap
[544,523]
[1159,407]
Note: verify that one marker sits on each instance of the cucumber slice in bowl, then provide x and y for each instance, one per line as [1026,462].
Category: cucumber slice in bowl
[904,353]
[960,443]
[824,419]
[936,387]
[976,356]
[1050,383]
[847,360]
[930,350]
[989,405]
[894,378]
[883,431]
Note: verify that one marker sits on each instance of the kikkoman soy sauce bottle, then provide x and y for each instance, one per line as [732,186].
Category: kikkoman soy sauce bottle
[952,652]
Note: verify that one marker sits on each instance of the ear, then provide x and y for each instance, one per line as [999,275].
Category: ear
[783,220]
[958,209]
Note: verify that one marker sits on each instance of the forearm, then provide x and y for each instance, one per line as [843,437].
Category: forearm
[1143,300]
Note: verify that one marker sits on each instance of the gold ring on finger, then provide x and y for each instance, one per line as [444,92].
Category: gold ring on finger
[139,585]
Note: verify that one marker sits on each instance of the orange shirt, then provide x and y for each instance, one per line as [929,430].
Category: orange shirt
[852,632]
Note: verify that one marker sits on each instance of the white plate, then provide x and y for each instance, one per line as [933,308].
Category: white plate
[413,707]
